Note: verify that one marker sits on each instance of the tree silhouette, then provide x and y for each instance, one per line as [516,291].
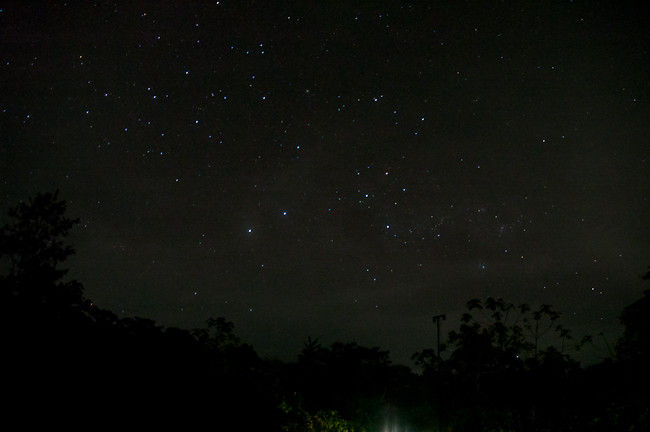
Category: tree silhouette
[495,356]
[42,320]
[218,336]
[296,419]
[500,372]
[635,342]
[54,340]
[32,249]
[313,353]
[352,380]
[624,378]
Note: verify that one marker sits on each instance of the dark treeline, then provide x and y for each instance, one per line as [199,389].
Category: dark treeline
[66,361]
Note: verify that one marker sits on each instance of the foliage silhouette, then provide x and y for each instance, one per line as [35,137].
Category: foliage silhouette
[32,249]
[633,345]
[495,354]
[499,372]
[296,419]
[625,378]
[356,382]
[125,367]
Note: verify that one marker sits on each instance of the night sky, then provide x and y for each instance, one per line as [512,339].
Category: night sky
[339,170]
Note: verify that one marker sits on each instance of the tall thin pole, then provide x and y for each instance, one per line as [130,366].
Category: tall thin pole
[436,319]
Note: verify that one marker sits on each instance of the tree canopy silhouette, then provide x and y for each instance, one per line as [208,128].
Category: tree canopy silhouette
[633,345]
[31,249]
[505,368]
[495,356]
